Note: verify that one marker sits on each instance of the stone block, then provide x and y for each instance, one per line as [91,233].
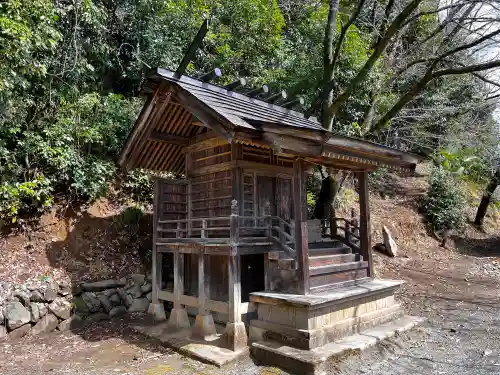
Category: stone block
[17,315]
[20,332]
[61,308]
[46,324]
[204,327]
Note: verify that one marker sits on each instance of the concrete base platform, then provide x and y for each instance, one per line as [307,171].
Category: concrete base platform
[317,361]
[211,351]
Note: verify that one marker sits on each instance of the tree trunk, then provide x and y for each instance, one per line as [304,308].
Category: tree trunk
[485,201]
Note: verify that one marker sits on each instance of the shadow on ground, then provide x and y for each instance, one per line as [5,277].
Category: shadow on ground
[99,248]
[478,247]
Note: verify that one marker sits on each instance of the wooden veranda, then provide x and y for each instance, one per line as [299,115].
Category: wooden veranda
[235,219]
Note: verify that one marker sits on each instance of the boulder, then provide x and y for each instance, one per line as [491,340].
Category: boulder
[93,304]
[80,306]
[36,296]
[149,296]
[115,300]
[64,289]
[42,308]
[20,332]
[127,300]
[146,288]
[17,315]
[73,321]
[60,308]
[135,291]
[23,297]
[389,243]
[47,324]
[50,294]
[3,333]
[138,279]
[2,317]
[99,286]
[35,312]
[139,305]
[117,311]
[109,292]
[105,303]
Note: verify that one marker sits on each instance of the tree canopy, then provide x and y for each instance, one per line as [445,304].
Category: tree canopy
[412,74]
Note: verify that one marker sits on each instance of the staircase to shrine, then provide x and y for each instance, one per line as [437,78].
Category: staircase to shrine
[332,264]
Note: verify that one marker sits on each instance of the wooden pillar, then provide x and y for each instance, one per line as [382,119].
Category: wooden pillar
[156,306]
[235,333]
[301,237]
[364,225]
[204,326]
[178,316]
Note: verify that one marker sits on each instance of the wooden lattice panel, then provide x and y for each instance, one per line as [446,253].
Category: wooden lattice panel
[211,156]
[211,194]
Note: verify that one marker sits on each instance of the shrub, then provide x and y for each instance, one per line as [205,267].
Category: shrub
[138,185]
[445,201]
[28,196]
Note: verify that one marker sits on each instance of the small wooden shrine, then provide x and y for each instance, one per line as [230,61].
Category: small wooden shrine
[234,225]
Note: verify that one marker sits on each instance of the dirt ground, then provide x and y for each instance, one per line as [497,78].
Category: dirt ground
[457,293]
[457,289]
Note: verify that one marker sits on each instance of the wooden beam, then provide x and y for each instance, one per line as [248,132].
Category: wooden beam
[365,227]
[190,54]
[210,305]
[301,237]
[157,257]
[204,113]
[168,138]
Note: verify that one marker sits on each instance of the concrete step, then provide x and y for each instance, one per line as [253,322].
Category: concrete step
[325,260]
[329,287]
[318,361]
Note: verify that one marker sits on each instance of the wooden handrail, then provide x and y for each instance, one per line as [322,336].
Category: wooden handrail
[267,223]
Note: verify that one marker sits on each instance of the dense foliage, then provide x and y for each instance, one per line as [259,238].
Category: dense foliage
[71,71]
[445,202]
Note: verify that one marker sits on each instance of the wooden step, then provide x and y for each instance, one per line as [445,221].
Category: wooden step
[325,244]
[334,268]
[330,251]
[325,260]
[338,277]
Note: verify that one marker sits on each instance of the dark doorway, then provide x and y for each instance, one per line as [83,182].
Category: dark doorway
[252,275]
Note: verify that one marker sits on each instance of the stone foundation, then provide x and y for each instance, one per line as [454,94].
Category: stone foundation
[308,322]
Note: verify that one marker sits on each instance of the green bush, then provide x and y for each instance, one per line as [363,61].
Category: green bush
[445,201]
[27,196]
[138,185]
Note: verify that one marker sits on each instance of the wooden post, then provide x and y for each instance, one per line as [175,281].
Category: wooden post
[333,222]
[156,307]
[178,316]
[301,237]
[203,228]
[355,226]
[235,333]
[365,228]
[267,220]
[204,326]
[189,225]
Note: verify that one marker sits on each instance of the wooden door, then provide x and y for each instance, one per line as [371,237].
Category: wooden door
[266,194]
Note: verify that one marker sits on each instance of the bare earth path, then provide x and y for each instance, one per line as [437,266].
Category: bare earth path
[459,295]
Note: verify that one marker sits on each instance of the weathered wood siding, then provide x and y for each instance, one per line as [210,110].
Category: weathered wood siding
[172,205]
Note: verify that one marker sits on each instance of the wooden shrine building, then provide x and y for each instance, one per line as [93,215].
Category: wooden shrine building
[234,224]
